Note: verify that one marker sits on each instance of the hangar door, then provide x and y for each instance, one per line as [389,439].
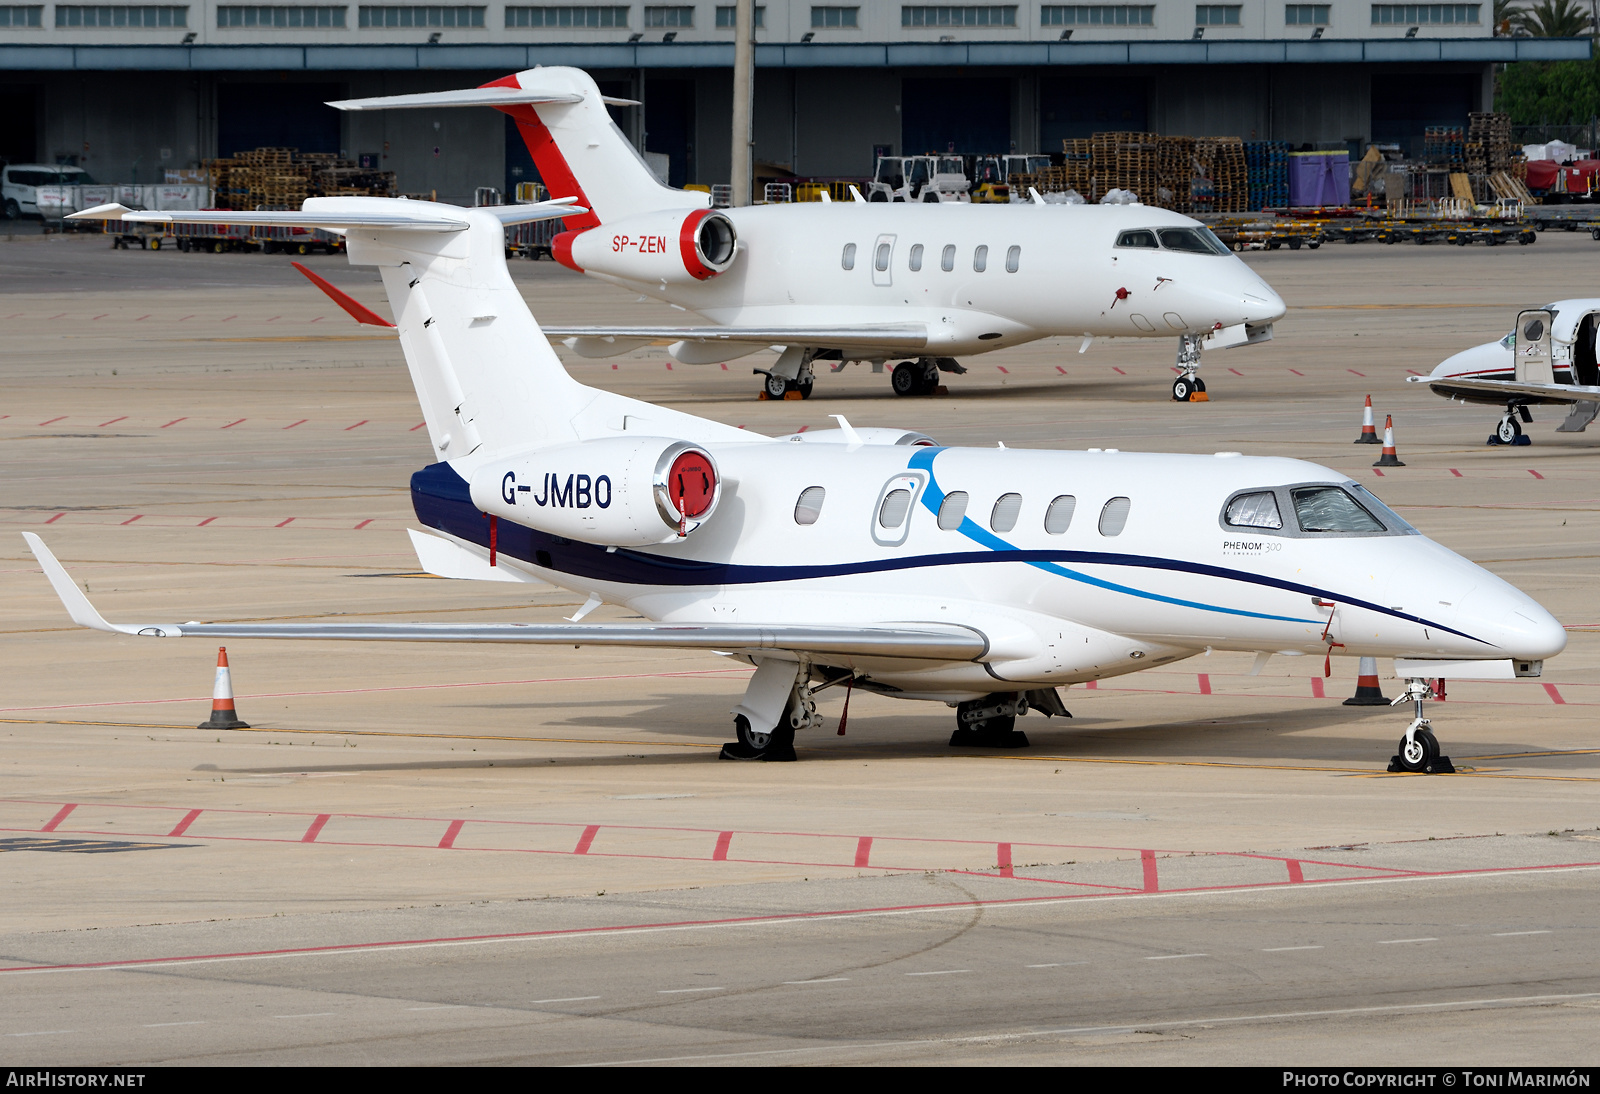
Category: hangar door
[969,116]
[1072,108]
[1404,106]
[277,115]
[19,115]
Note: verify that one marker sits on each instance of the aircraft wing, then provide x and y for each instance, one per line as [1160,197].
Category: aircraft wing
[1553,393]
[892,336]
[922,641]
[424,217]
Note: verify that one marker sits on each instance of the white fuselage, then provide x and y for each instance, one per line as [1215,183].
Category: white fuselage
[1070,277]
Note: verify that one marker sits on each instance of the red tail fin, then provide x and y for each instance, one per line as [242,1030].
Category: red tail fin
[358,311]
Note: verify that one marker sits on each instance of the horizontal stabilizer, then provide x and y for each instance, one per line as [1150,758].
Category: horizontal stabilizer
[342,214]
[890,336]
[1562,393]
[472,96]
[921,641]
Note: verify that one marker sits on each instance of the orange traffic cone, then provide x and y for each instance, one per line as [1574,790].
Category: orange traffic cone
[1369,435]
[1368,693]
[223,716]
[1388,459]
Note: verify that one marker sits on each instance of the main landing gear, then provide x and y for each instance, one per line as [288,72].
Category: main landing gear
[790,376]
[921,377]
[1509,430]
[991,722]
[778,702]
[1188,387]
[1419,748]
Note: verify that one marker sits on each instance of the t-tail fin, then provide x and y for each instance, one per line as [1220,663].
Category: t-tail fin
[577,148]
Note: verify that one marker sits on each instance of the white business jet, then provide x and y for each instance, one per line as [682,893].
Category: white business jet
[980,578]
[1547,359]
[860,281]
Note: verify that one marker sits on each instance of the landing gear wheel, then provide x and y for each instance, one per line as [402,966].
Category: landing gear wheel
[1419,752]
[1183,387]
[804,388]
[774,746]
[776,387]
[906,379]
[1509,431]
[929,379]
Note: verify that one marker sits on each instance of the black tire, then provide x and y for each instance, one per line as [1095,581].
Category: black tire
[775,745]
[878,195]
[1526,238]
[1294,244]
[303,249]
[218,247]
[906,379]
[13,211]
[1508,430]
[1423,752]
[760,742]
[183,245]
[929,380]
[1182,388]
[930,197]
[805,388]
[776,387]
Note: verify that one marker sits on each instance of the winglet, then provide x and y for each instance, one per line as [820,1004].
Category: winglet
[855,196]
[77,605]
[851,437]
[113,211]
[358,311]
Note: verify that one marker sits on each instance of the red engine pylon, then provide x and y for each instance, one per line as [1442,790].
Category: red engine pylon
[223,716]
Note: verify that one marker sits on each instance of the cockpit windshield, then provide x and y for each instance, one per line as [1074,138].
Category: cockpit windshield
[1344,509]
[1198,241]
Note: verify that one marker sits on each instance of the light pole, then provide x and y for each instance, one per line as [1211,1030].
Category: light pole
[744,81]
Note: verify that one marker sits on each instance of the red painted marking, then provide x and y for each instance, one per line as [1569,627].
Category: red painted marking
[1317,690]
[1235,371]
[419,425]
[1378,471]
[721,853]
[1456,473]
[1117,370]
[802,429]
[1413,372]
[1357,373]
[1534,473]
[1555,696]
[230,317]
[63,315]
[141,318]
[61,815]
[189,316]
[133,518]
[1148,858]
[1003,859]
[102,315]
[113,421]
[1093,685]
[1003,369]
[1296,875]
[363,524]
[358,425]
[55,518]
[302,421]
[613,368]
[1297,372]
[205,522]
[586,840]
[175,421]
[230,425]
[281,523]
[669,366]
[451,833]
[1205,682]
[275,318]
[52,421]
[724,366]
[863,850]
[183,826]
[317,319]
[316,828]
[1061,370]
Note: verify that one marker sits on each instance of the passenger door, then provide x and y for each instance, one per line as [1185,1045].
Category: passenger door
[1532,348]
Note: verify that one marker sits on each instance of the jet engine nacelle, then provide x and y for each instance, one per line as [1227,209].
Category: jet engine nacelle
[670,246]
[621,492]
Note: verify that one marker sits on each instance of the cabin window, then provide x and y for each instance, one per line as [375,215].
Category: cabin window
[892,513]
[980,259]
[809,507]
[1139,237]
[916,258]
[1013,258]
[848,261]
[952,510]
[1058,518]
[1004,516]
[881,261]
[1114,517]
[1330,509]
[1254,511]
[947,260]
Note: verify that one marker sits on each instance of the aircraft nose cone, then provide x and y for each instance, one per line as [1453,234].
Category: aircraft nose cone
[1514,622]
[1261,304]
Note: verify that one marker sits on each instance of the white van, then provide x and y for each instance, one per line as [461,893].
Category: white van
[20,182]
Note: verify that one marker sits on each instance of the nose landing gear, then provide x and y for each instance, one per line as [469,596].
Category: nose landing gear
[1419,748]
[1189,388]
[1509,430]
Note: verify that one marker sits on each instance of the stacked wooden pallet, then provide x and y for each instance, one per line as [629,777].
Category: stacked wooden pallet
[285,177]
[1123,161]
[1175,174]
[1488,145]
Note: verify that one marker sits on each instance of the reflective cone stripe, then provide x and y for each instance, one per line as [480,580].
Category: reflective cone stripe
[1368,693]
[1369,435]
[1389,458]
[223,714]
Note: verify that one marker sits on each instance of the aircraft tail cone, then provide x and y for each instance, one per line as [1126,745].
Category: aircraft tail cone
[223,716]
[1368,693]
[1369,435]
[1389,458]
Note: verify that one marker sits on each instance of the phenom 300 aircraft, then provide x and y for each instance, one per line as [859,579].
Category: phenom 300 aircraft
[980,578]
[863,281]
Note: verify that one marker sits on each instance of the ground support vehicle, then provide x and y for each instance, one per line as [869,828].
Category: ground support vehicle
[284,239]
[216,238]
[150,237]
[1457,232]
[929,179]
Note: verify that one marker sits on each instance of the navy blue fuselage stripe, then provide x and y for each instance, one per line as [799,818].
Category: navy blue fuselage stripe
[443,501]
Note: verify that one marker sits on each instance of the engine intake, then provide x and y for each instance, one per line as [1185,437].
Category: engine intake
[669,246]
